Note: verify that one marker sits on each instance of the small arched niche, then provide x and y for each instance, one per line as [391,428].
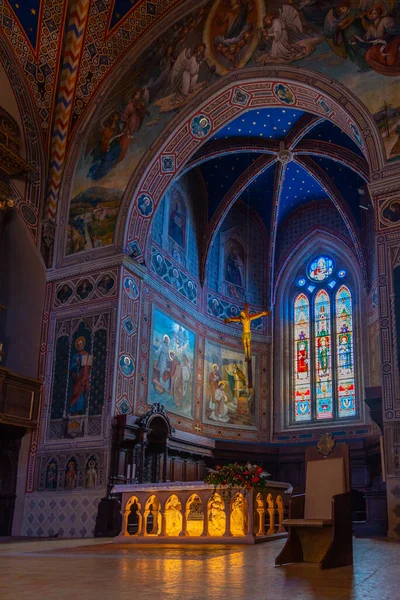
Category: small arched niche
[239,518]
[216,515]
[173,516]
[194,516]
[133,516]
[152,516]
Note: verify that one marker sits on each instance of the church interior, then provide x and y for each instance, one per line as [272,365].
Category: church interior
[200,297]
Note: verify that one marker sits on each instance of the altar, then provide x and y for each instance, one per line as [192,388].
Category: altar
[191,512]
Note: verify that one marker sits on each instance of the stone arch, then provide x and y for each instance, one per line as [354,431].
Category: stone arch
[194,515]
[150,179]
[133,520]
[237,91]
[173,516]
[326,241]
[152,516]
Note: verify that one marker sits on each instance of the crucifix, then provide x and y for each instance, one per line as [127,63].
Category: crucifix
[245,318]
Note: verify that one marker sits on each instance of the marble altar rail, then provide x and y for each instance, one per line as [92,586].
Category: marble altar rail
[190,512]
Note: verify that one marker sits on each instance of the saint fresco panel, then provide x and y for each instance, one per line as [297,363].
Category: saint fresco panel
[355,42]
[171,363]
[227,401]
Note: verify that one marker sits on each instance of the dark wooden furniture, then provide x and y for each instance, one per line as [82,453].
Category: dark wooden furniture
[320,527]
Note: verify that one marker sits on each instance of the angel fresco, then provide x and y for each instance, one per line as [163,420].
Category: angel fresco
[110,147]
[283,37]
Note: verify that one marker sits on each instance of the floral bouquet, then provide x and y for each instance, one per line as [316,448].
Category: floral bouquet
[245,477]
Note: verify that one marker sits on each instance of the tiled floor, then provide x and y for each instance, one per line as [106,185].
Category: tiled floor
[95,570]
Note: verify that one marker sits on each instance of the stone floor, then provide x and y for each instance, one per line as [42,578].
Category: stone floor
[101,570]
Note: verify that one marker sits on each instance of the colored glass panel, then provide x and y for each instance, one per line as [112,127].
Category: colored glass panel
[320,268]
[345,353]
[323,364]
[302,391]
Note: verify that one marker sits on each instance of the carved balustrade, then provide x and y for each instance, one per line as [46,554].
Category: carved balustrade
[192,512]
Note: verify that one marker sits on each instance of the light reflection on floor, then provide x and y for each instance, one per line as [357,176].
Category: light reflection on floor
[94,570]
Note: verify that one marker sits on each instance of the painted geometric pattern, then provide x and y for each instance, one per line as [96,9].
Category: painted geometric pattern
[40,66]
[99,372]
[173,276]
[68,77]
[68,515]
[85,288]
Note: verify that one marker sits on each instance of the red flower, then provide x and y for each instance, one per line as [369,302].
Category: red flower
[223,483]
[259,469]
[248,486]
[246,473]
[255,479]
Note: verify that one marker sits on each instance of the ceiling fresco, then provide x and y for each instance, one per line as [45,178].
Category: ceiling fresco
[220,37]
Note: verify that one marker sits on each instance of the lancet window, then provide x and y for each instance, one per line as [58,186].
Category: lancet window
[323,373]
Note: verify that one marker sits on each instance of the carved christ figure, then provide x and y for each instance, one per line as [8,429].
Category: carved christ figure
[245,318]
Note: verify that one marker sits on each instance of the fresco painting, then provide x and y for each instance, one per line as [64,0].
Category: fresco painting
[353,41]
[228,400]
[171,365]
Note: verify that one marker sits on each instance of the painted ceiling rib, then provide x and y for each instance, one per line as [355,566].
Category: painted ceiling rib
[276,197]
[252,172]
[232,145]
[340,203]
[301,128]
[353,161]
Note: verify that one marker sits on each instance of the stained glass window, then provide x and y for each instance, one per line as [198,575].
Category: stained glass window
[323,366]
[302,395]
[345,353]
[320,268]
[323,346]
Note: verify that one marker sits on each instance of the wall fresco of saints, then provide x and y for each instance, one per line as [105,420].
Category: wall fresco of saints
[227,399]
[79,377]
[171,365]
[353,41]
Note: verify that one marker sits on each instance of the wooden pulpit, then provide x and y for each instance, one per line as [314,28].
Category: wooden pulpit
[319,524]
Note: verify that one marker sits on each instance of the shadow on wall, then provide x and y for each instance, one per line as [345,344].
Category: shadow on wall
[22,290]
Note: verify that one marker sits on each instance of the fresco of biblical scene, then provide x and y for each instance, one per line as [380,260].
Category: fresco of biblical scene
[345,352]
[231,32]
[323,355]
[234,270]
[353,41]
[228,400]
[171,365]
[302,381]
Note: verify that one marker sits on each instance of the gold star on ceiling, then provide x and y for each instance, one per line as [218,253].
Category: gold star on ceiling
[17,6]
[33,11]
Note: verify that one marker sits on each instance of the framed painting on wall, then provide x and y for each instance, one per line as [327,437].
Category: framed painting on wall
[227,399]
[171,364]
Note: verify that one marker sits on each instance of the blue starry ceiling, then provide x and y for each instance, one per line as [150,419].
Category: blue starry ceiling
[259,194]
[268,123]
[351,185]
[28,14]
[329,132]
[221,173]
[120,9]
[299,187]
